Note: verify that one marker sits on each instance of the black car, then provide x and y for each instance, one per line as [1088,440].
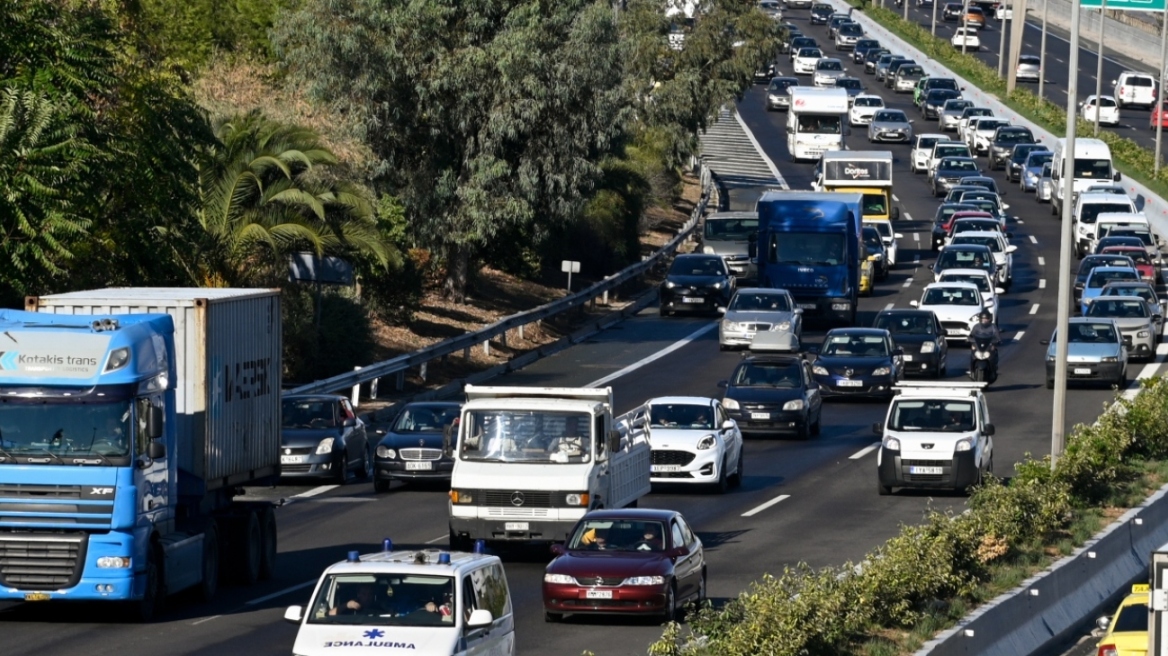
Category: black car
[853,85]
[773,394]
[798,44]
[861,49]
[1017,161]
[966,256]
[935,100]
[858,362]
[790,32]
[1108,241]
[941,220]
[1003,142]
[1090,262]
[931,83]
[952,11]
[417,445]
[696,283]
[873,58]
[820,13]
[950,171]
[321,437]
[919,334]
[834,23]
[983,181]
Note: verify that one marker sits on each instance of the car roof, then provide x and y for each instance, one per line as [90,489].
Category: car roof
[966,247]
[432,404]
[763,290]
[773,358]
[1130,283]
[964,272]
[405,562]
[950,284]
[680,400]
[856,330]
[1109,269]
[698,256]
[905,311]
[633,513]
[932,135]
[979,233]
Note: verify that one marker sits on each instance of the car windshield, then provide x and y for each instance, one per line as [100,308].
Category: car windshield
[425,419]
[829,65]
[957,106]
[1144,236]
[943,83]
[1091,333]
[1134,309]
[735,229]
[1013,137]
[768,374]
[867,346]
[891,116]
[681,415]
[937,96]
[782,85]
[906,324]
[1102,102]
[618,535]
[958,165]
[1091,211]
[810,53]
[1099,169]
[870,101]
[807,248]
[974,112]
[310,413]
[981,240]
[932,416]
[526,436]
[967,225]
[983,203]
[950,296]
[981,282]
[851,30]
[906,71]
[697,266]
[69,431]
[949,151]
[1136,291]
[1100,278]
[927,143]
[1038,159]
[819,124]
[760,302]
[1138,256]
[990,125]
[381,599]
[849,83]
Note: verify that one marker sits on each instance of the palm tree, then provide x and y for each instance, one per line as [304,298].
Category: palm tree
[261,201]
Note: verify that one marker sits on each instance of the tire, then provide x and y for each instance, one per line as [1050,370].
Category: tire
[976,374]
[248,550]
[883,490]
[723,482]
[669,612]
[553,617]
[1053,207]
[150,606]
[940,372]
[381,485]
[210,583]
[736,478]
[269,543]
[1121,381]
[803,433]
[459,543]
[662,312]
[366,471]
[340,472]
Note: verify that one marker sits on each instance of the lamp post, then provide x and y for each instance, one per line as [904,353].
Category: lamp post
[1016,38]
[1160,92]
[1058,419]
[1002,46]
[935,17]
[1099,66]
[1042,51]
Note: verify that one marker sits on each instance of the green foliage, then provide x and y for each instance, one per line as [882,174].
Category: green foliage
[188,33]
[392,294]
[343,341]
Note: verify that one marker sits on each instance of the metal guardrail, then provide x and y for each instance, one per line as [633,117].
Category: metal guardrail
[403,363]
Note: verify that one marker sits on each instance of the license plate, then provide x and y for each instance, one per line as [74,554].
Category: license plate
[598,594]
[760,415]
[907,358]
[291,460]
[419,466]
[36,596]
[665,468]
[1082,371]
[807,306]
[850,383]
[691,299]
[516,526]
[954,331]
[925,470]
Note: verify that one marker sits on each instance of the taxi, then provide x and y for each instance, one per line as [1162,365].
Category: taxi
[1126,633]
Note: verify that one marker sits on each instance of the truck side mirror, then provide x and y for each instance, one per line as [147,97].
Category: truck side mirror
[752,249]
[155,450]
[896,214]
[988,429]
[878,428]
[154,421]
[1117,177]
[294,614]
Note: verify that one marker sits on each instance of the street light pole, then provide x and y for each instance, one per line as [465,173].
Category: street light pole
[934,17]
[1058,419]
[1002,46]
[1159,114]
[1042,52]
[1016,37]
[905,8]
[1103,16]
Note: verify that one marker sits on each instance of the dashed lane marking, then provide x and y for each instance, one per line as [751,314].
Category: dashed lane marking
[654,357]
[1034,309]
[1033,240]
[1042,284]
[280,593]
[1018,337]
[1041,261]
[864,451]
[756,510]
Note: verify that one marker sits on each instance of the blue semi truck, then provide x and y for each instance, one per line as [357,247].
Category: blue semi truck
[129,420]
[809,244]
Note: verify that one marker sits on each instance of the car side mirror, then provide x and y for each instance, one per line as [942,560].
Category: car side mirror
[1157,317]
[896,213]
[723,384]
[914,303]
[155,450]
[558,549]
[1103,623]
[878,428]
[294,614]
[480,618]
[154,422]
[614,440]
[897,235]
[728,424]
[898,351]
[1011,248]
[349,422]
[797,311]
[988,429]
[814,350]
[676,552]
[999,290]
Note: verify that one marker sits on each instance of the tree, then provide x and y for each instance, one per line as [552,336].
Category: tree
[485,114]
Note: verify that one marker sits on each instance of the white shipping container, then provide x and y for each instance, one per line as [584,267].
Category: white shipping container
[228,345]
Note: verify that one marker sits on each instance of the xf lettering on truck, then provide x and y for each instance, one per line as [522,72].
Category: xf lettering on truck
[247,380]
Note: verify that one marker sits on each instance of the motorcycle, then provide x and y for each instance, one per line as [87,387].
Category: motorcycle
[981,365]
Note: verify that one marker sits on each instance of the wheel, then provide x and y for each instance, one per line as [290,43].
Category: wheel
[269,543]
[1053,207]
[553,617]
[248,549]
[459,543]
[977,374]
[723,483]
[736,479]
[381,485]
[366,469]
[662,312]
[150,605]
[669,612]
[210,583]
[340,470]
[940,372]
[884,490]
[804,432]
[1121,381]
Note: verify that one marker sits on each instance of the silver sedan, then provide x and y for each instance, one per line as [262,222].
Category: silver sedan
[1095,353]
[756,309]
[1029,68]
[890,125]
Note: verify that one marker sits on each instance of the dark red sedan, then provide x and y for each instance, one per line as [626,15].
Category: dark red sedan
[626,561]
[1160,115]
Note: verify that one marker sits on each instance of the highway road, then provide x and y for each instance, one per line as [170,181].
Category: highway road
[829,514]
[1134,122]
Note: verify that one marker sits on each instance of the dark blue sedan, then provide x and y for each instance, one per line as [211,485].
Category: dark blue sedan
[858,362]
[416,447]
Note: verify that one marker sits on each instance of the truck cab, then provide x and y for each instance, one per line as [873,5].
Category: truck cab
[815,122]
[729,234]
[531,461]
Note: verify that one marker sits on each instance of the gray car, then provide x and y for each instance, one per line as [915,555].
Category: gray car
[1001,145]
[853,85]
[1146,292]
[950,171]
[951,113]
[1136,323]
[827,71]
[847,35]
[1029,68]
[907,77]
[778,93]
[1095,353]
[890,125]
[754,310]
[321,437]
[1045,189]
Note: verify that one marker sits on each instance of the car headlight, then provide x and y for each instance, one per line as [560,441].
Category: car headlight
[706,442]
[730,325]
[730,404]
[325,446]
[882,371]
[669,284]
[461,497]
[114,562]
[562,579]
[891,443]
[974,318]
[773,97]
[928,347]
[1143,333]
[644,580]
[576,499]
[1104,360]
[786,325]
[964,444]
[819,371]
[717,285]
[386,452]
[796,404]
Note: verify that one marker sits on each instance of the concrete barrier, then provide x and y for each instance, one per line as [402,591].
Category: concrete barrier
[1128,40]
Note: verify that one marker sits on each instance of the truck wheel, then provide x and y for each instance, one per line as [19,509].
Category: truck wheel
[268,543]
[248,550]
[210,583]
[150,606]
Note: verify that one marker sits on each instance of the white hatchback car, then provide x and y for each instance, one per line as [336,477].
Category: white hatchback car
[956,304]
[981,278]
[1105,106]
[864,108]
[692,441]
[1003,251]
[805,60]
[922,149]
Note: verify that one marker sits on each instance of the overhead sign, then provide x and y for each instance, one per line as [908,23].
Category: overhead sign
[328,270]
[858,171]
[1125,5]
[45,354]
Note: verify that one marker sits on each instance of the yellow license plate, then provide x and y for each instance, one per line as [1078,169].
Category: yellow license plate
[36,596]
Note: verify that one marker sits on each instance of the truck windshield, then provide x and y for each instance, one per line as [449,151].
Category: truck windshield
[875,205]
[526,436]
[381,599]
[820,124]
[821,248]
[56,433]
[929,415]
[730,229]
[1094,169]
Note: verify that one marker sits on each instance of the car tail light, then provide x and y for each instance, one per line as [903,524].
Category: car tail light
[1108,650]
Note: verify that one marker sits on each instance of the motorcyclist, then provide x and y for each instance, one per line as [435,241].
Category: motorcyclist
[985,331]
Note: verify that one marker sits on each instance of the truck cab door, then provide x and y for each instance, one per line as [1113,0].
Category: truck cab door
[150,473]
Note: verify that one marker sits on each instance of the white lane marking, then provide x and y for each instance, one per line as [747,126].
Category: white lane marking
[1086,52]
[1059,60]
[1148,371]
[1034,309]
[908,217]
[656,356]
[895,199]
[756,510]
[1033,240]
[917,259]
[889,306]
[908,283]
[314,491]
[437,539]
[205,619]
[1042,284]
[1041,261]
[916,236]
[1018,337]
[770,165]
[281,593]
[864,451]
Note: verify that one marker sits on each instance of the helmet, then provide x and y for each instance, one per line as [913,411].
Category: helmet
[985,315]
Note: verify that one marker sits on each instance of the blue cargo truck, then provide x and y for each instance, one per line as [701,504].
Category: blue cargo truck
[809,244]
[129,419]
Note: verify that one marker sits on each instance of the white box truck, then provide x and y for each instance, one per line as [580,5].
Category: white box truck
[816,121]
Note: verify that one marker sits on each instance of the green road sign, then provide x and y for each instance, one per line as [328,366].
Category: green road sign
[1125,5]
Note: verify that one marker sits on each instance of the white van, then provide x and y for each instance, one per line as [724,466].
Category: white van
[1092,165]
[1088,207]
[1132,88]
[416,602]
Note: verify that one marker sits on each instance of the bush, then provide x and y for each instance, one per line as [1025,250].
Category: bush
[343,341]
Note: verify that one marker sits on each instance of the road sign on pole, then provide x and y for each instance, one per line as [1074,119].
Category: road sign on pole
[1124,5]
[569,267]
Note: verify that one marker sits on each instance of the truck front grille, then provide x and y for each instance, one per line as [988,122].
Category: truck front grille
[51,506]
[519,498]
[42,562]
[24,491]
